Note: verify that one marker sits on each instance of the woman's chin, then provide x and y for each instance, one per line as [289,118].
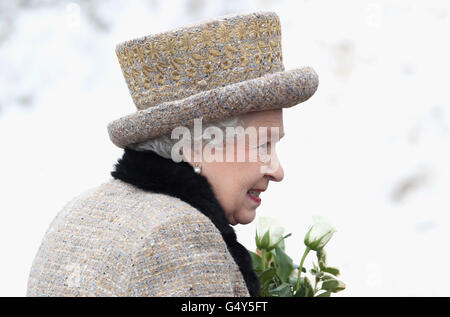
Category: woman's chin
[246,217]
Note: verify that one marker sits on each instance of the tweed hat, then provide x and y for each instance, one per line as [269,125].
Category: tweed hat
[213,70]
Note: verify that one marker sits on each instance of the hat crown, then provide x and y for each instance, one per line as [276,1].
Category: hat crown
[183,62]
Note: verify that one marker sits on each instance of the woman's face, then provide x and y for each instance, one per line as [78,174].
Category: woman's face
[232,180]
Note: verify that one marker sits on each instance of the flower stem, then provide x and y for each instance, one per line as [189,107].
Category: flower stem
[300,268]
[263,258]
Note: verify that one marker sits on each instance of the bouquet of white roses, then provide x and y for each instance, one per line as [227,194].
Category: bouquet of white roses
[279,276]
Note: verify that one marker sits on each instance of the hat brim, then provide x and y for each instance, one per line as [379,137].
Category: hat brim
[272,91]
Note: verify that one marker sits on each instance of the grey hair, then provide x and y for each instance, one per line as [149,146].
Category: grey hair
[163,145]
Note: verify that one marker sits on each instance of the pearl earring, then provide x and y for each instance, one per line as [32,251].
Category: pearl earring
[197,168]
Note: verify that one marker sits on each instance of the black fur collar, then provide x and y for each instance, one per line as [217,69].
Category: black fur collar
[149,171]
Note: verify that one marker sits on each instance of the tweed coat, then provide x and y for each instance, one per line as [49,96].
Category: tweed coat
[155,230]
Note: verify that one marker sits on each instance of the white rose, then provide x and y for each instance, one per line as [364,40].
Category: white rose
[272,228]
[319,234]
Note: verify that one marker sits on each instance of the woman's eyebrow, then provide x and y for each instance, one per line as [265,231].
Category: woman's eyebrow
[269,134]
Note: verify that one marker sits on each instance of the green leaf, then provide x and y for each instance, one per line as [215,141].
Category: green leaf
[330,284]
[256,261]
[284,290]
[266,276]
[341,287]
[317,274]
[324,294]
[282,245]
[267,281]
[293,281]
[285,264]
[306,289]
[322,265]
[269,256]
[258,244]
[331,270]
[333,285]
[265,240]
[326,276]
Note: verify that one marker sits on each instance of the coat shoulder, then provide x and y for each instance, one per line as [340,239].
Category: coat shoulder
[186,256]
[90,248]
[119,205]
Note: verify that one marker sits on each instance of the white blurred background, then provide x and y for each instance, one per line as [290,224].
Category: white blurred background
[369,151]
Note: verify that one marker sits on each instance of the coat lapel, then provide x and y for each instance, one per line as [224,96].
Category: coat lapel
[149,171]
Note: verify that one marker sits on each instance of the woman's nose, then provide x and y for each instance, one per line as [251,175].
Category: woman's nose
[274,171]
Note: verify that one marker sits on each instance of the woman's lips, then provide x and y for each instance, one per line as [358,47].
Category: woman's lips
[254,198]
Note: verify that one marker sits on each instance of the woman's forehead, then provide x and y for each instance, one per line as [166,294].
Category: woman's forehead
[268,118]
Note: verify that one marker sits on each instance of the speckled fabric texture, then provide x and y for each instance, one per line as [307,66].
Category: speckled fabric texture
[212,70]
[119,240]
[149,171]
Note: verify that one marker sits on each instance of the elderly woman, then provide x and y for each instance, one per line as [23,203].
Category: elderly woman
[163,225]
